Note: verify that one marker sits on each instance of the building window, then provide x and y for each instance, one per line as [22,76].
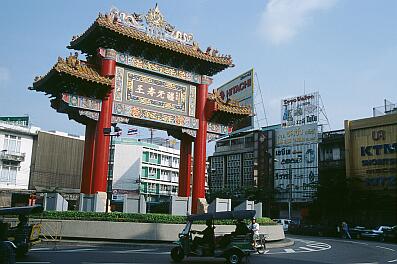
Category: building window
[233,179]
[8,175]
[152,172]
[12,144]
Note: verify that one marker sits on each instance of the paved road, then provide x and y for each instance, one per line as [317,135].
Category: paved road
[305,250]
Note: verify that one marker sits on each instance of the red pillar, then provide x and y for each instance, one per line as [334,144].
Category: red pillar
[88,161]
[200,147]
[102,142]
[185,166]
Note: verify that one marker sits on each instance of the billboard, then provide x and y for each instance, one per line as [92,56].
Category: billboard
[240,89]
[297,135]
[296,163]
[300,110]
[15,120]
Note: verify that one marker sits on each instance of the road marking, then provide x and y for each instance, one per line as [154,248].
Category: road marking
[38,249]
[394,260]
[308,249]
[135,250]
[385,248]
[289,250]
[366,263]
[76,250]
[347,241]
[320,246]
[33,262]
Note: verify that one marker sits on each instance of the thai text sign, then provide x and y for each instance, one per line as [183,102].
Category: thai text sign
[296,166]
[15,120]
[299,156]
[300,110]
[297,135]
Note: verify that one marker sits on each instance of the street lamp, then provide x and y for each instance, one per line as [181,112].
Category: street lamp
[116,133]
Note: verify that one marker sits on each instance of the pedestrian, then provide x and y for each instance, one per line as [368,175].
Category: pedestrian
[345,229]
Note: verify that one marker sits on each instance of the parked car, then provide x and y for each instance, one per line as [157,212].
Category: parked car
[284,222]
[312,229]
[375,233]
[389,234]
[355,232]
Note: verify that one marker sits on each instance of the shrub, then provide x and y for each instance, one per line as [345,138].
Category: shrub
[127,217]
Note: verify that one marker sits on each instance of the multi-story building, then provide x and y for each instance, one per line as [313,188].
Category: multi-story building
[57,163]
[241,160]
[331,150]
[15,155]
[144,168]
[371,165]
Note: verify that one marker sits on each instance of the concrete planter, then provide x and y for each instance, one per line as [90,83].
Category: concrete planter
[135,231]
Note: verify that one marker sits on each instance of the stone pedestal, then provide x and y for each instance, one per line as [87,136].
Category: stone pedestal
[93,202]
[180,205]
[55,202]
[220,205]
[135,204]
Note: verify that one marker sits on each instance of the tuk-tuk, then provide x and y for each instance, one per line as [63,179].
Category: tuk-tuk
[233,247]
[24,235]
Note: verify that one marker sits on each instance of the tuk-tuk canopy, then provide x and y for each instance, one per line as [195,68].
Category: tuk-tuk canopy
[241,214]
[23,210]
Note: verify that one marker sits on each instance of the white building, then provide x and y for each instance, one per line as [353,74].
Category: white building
[15,155]
[145,168]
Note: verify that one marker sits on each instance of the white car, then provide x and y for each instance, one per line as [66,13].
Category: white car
[284,222]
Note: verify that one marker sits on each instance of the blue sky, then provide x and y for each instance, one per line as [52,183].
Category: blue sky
[346,50]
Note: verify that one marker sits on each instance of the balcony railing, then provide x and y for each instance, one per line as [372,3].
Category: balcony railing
[12,156]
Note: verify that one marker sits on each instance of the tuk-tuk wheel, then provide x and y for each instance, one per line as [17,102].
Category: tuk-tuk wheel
[234,257]
[22,250]
[177,254]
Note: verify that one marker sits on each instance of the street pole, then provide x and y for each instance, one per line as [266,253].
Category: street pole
[110,174]
[290,191]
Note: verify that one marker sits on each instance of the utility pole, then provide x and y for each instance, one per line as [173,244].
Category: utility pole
[290,191]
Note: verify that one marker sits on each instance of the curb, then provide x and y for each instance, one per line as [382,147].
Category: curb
[269,245]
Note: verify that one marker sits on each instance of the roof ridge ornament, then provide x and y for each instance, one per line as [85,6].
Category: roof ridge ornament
[156,26]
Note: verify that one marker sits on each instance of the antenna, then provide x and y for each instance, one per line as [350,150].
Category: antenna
[323,112]
[262,103]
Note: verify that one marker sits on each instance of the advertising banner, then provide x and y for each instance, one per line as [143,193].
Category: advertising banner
[296,165]
[300,110]
[15,120]
[240,89]
[297,135]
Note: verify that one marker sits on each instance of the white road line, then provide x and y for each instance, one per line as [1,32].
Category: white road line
[366,263]
[394,260]
[38,249]
[33,262]
[135,250]
[318,246]
[308,249]
[289,250]
[386,248]
[347,241]
[76,250]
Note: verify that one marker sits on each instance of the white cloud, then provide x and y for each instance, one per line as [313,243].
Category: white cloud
[4,74]
[283,19]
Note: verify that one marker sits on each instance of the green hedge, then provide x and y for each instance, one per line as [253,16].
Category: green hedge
[125,217]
